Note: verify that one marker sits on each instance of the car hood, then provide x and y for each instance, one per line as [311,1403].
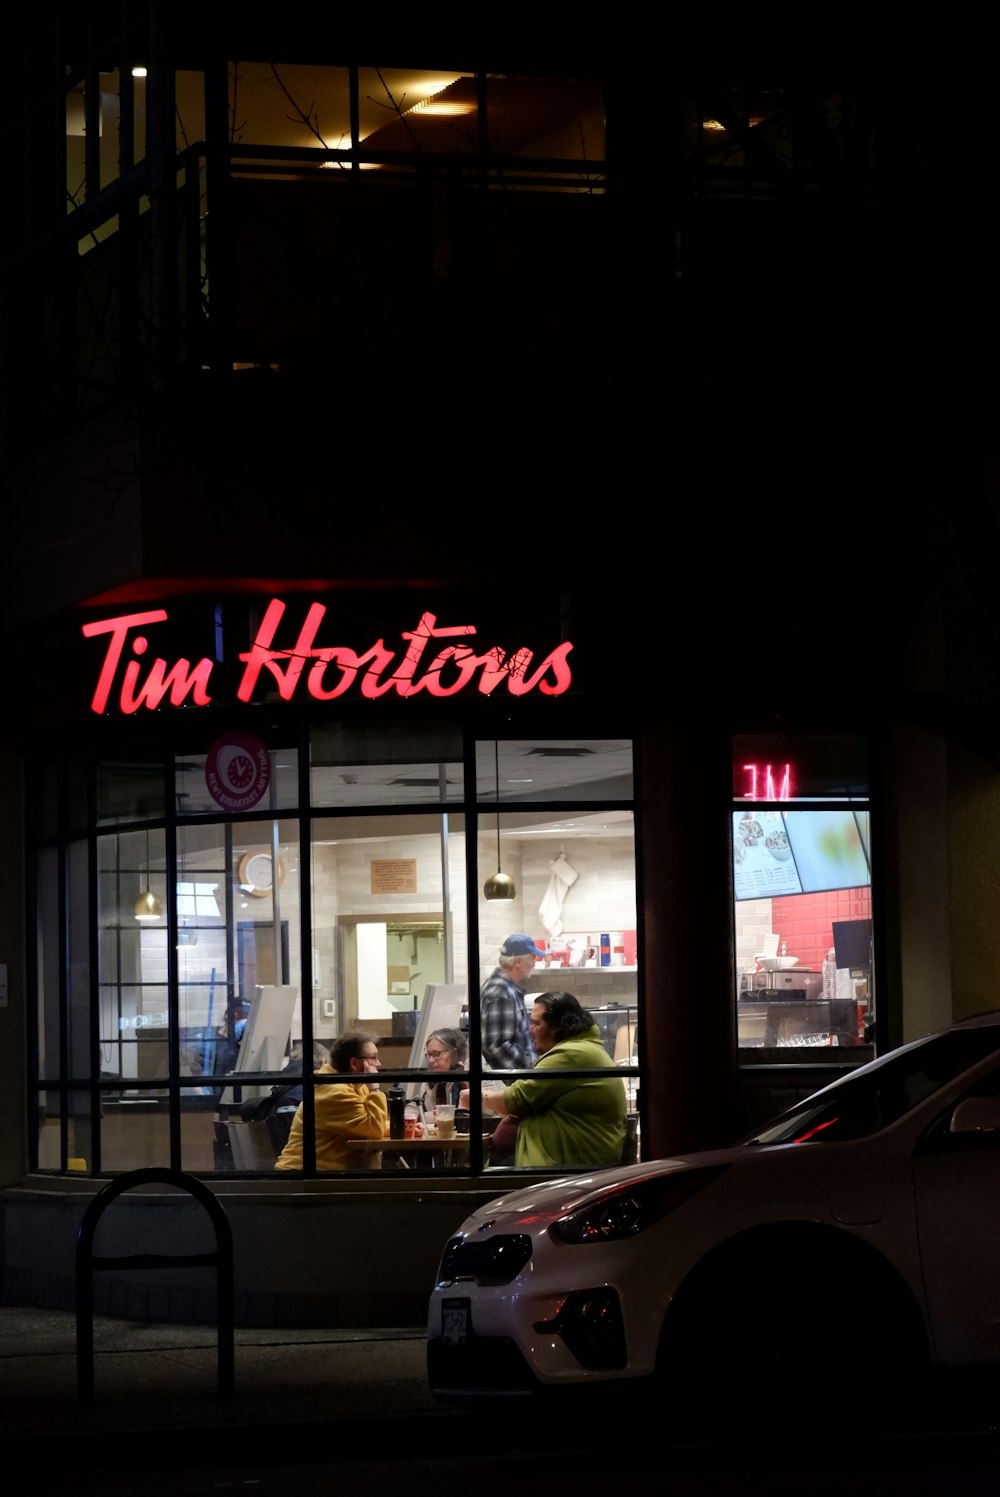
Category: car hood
[551,1198]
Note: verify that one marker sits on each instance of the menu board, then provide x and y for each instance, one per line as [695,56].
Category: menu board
[799,852]
[762,858]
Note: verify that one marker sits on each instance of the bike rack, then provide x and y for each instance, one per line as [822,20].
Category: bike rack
[87,1264]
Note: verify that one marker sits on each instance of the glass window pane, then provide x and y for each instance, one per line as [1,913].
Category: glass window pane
[415,110]
[135,1133]
[555,769]
[814,766]
[133,1001]
[289,104]
[574,899]
[194,797]
[262,1005]
[76,134]
[49,1132]
[377,767]
[389,927]
[130,789]
[78,950]
[546,117]
[48,958]
[801,894]
[203,945]
[59,796]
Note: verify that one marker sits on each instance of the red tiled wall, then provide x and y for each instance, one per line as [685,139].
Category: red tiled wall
[805,921]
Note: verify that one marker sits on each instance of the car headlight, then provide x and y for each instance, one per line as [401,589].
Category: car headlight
[625,1210]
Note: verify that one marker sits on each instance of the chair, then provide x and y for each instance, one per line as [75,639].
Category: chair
[279,1126]
[630,1148]
[251,1145]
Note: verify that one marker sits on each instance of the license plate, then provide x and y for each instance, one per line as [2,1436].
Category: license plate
[455,1321]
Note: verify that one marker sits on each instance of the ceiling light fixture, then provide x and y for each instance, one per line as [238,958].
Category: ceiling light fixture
[148,906]
[498,885]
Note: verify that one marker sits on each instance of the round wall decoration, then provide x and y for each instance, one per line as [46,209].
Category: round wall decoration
[237,771]
[256,873]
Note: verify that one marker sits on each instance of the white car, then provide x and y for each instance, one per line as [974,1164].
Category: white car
[832,1259]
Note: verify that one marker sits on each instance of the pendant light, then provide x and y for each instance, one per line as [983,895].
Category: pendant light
[148,906]
[498,885]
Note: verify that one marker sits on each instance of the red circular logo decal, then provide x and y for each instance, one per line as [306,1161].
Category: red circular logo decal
[237,771]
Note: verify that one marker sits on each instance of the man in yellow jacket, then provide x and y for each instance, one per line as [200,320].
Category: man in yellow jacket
[345,1109]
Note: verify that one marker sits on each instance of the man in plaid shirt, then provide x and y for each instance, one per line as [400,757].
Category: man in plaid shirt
[506,1037]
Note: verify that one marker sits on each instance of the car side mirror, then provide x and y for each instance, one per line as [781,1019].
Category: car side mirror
[976,1115]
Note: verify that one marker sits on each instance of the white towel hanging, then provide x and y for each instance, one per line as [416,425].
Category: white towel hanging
[562,880]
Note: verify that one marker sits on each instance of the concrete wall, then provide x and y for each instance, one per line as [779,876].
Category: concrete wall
[339,1254]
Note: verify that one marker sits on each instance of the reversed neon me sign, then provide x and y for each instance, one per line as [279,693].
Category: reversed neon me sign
[766,782]
[128,683]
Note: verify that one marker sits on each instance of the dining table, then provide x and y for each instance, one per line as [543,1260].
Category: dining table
[404,1153]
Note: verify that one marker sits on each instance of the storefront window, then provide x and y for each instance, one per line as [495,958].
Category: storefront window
[803,927]
[167,1031]
[568,928]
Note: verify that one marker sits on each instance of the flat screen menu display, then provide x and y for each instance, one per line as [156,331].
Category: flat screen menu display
[799,852]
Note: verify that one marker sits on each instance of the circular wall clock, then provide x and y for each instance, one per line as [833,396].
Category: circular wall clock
[256,873]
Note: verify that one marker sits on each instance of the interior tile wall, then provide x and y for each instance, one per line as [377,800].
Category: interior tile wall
[804,921]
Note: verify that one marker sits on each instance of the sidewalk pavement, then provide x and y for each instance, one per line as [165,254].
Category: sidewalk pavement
[160,1383]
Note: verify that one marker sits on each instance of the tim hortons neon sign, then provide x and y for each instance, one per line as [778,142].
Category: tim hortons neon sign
[328,671]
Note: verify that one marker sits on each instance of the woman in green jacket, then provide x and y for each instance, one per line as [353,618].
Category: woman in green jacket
[565,1122]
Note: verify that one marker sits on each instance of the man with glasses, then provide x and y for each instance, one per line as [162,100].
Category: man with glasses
[347,1109]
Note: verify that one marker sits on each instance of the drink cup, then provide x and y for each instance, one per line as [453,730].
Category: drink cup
[445,1117]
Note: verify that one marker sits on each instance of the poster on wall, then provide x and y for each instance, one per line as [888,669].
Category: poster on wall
[394,875]
[799,852]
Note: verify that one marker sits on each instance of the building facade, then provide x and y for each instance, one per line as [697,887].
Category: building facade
[430,461]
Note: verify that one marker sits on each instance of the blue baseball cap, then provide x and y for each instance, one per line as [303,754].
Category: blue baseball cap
[520,945]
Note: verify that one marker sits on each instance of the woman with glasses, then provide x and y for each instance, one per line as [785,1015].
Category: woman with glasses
[446,1050]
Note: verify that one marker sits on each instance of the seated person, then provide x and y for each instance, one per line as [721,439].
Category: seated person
[352,1108]
[570,1122]
[228,1037]
[277,1109]
[446,1050]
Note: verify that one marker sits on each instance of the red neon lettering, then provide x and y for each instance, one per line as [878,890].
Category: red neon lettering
[118,629]
[259,655]
[340,655]
[461,658]
[181,680]
[286,666]
[782,791]
[404,680]
[520,684]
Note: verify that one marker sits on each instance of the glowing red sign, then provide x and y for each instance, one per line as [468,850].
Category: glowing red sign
[766,782]
[327,671]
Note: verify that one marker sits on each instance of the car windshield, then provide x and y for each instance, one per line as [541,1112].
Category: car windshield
[880,1093]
